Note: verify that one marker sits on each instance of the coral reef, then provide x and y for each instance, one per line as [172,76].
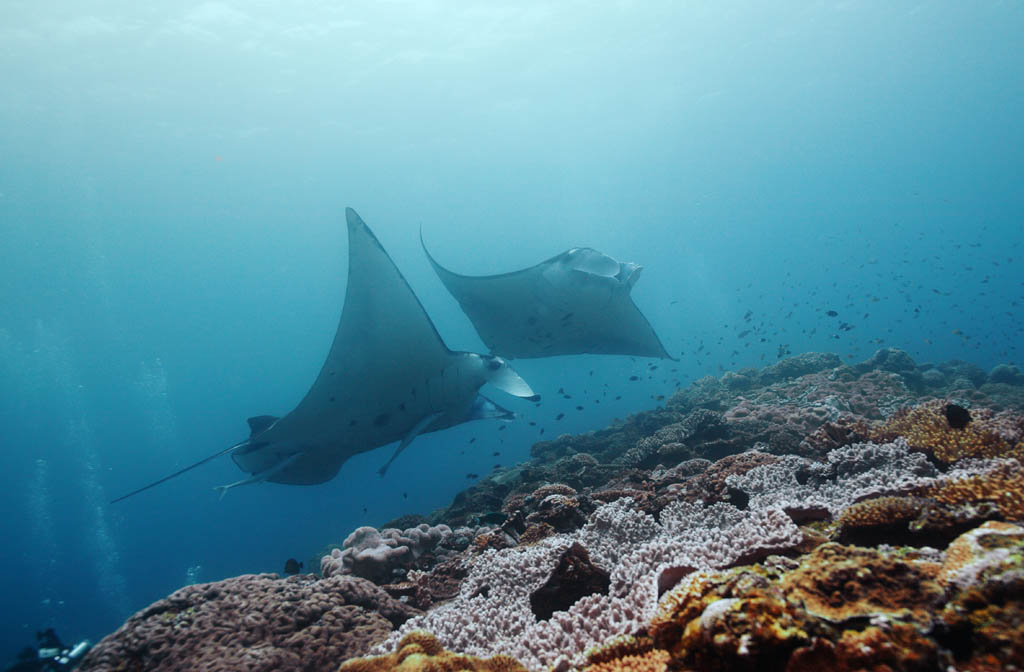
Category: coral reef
[807,516]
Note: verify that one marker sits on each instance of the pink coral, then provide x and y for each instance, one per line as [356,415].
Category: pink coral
[254,622]
[493,613]
[375,555]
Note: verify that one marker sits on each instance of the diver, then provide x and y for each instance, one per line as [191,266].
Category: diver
[49,654]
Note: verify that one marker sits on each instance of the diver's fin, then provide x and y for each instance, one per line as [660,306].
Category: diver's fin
[260,423]
[178,473]
[417,429]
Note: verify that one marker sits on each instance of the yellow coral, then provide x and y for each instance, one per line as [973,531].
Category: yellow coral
[419,651]
[925,428]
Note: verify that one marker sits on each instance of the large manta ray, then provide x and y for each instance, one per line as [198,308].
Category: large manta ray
[388,377]
[574,303]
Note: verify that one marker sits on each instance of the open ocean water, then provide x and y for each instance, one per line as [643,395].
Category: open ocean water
[173,178]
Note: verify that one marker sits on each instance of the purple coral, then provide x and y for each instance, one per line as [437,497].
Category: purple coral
[254,622]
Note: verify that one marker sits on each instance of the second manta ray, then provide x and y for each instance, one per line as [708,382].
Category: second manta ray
[575,303]
[388,377]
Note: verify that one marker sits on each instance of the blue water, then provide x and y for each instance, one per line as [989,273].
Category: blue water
[173,252]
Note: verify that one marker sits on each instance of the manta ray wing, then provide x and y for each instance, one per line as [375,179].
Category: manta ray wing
[574,303]
[388,376]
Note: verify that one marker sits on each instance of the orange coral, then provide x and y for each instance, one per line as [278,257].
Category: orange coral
[925,428]
[838,583]
[619,646]
[419,651]
[1003,485]
[655,660]
[881,511]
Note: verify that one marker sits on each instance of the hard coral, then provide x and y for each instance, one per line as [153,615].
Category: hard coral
[839,583]
[735,620]
[984,622]
[376,556]
[926,429]
[1002,485]
[254,622]
[419,651]
[655,660]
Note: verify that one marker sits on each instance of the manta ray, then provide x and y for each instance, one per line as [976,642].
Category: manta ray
[574,303]
[388,377]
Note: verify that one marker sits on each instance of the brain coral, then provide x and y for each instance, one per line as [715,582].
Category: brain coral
[254,622]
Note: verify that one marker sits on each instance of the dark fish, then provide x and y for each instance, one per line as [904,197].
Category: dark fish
[559,416]
[958,417]
[579,408]
[832,313]
[292,566]
[472,475]
[495,453]
[634,377]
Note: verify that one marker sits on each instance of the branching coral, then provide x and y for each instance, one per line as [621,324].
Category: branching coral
[1002,485]
[926,428]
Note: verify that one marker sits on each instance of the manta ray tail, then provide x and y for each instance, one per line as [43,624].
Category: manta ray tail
[177,473]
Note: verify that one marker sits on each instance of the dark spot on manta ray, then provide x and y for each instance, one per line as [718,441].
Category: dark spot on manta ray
[382,419]
[958,417]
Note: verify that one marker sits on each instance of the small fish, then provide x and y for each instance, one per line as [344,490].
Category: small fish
[958,417]
[472,475]
[292,566]
[634,377]
[558,417]
[832,313]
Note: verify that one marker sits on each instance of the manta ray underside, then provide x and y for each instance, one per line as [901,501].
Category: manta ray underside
[574,303]
[388,377]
